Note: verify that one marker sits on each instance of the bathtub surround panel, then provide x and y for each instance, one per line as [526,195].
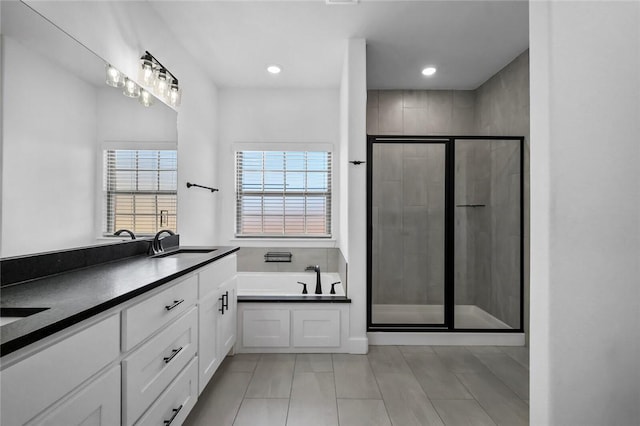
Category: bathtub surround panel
[294,327]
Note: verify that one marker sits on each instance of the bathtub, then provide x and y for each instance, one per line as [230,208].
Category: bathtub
[285,284]
[274,316]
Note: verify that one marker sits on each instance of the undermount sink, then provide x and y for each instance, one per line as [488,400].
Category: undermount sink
[185,253]
[9,315]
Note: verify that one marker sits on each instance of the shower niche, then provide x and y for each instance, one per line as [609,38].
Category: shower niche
[445,233]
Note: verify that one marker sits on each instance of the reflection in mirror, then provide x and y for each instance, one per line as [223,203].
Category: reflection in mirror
[59,118]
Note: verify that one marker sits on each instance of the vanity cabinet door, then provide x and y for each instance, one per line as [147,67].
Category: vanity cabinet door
[209,311]
[214,276]
[33,384]
[227,323]
[97,404]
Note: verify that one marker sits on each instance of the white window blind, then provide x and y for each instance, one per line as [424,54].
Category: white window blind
[283,194]
[140,190]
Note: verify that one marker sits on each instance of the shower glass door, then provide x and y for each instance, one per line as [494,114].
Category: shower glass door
[407,216]
[488,234]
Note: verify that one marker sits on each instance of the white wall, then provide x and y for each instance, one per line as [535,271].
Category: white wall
[343,211]
[43,139]
[585,217]
[274,116]
[125,119]
[354,108]
[120,32]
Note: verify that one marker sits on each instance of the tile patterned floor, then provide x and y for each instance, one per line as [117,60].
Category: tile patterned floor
[392,385]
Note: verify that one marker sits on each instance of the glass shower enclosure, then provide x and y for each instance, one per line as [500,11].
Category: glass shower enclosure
[445,233]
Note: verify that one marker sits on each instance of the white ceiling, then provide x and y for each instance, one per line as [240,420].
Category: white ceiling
[468,41]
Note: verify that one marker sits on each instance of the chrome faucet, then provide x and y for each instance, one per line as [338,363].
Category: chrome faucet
[316,268]
[156,245]
[125,231]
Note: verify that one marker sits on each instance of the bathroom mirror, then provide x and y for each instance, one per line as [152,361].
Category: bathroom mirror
[57,115]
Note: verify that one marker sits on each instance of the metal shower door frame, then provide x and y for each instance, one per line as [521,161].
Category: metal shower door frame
[448,324]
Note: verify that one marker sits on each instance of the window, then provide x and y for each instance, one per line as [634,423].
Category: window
[140,190]
[283,194]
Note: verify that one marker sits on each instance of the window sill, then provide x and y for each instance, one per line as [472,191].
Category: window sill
[284,242]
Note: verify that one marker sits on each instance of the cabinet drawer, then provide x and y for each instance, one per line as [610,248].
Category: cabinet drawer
[214,275]
[33,384]
[96,404]
[150,368]
[173,406]
[141,320]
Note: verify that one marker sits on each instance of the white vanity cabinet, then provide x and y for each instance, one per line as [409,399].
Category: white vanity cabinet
[142,362]
[36,385]
[217,316]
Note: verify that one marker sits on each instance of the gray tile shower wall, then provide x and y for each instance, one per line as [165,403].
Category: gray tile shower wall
[421,112]
[487,240]
[502,108]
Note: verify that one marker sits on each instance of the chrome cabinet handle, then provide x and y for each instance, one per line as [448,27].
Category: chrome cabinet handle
[175,303]
[175,413]
[174,352]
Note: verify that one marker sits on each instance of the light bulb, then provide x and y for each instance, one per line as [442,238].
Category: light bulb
[147,71]
[131,89]
[161,85]
[114,77]
[175,94]
[429,71]
[146,98]
[274,69]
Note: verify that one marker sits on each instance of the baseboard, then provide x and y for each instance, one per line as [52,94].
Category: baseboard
[358,345]
[445,339]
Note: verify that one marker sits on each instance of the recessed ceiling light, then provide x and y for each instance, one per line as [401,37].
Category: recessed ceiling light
[274,69]
[429,71]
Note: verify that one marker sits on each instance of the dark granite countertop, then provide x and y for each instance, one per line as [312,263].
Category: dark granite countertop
[82,293]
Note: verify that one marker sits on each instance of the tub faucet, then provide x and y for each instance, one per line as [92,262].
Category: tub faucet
[316,268]
[156,245]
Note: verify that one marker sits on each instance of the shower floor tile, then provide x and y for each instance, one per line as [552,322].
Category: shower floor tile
[466,316]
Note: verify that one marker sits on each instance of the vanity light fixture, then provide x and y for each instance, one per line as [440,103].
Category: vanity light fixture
[429,71]
[155,78]
[159,79]
[274,69]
